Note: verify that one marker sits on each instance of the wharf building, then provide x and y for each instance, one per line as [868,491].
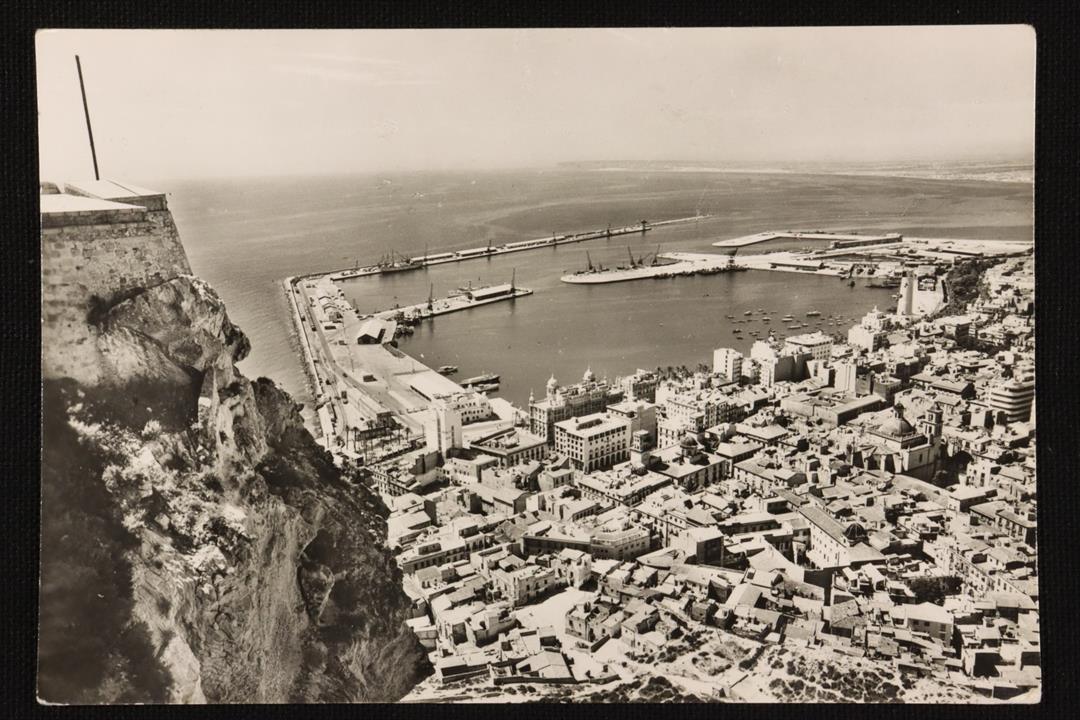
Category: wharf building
[594,442]
[588,397]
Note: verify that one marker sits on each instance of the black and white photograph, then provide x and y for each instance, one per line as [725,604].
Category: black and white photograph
[610,365]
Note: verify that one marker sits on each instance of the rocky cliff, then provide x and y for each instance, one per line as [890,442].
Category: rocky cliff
[197,544]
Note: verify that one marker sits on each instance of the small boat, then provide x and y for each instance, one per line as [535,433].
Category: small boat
[486,387]
[448,369]
[792,327]
[748,312]
[766,319]
[812,313]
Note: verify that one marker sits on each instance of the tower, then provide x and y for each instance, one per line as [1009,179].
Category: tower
[905,303]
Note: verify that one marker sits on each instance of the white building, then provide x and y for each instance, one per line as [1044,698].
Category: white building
[442,428]
[594,441]
[728,362]
[1012,398]
[871,331]
[817,343]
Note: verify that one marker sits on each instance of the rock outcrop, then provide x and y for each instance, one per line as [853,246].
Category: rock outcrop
[197,544]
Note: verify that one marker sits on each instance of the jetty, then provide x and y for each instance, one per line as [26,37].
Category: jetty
[454,303]
[679,265]
[491,250]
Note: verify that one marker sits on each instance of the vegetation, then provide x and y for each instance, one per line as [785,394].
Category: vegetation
[965,283]
[90,649]
[934,588]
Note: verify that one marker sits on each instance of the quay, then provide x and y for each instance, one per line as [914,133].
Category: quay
[454,303]
[520,246]
[684,264]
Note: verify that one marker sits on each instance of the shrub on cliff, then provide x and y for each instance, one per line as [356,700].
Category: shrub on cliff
[90,650]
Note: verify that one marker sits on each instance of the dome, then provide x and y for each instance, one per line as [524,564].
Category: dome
[896,427]
[688,442]
[588,376]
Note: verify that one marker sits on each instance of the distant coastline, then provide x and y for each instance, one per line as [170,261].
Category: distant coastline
[987,171]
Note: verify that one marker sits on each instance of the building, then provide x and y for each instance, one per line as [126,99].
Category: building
[442,428]
[817,344]
[778,364]
[640,386]
[512,447]
[642,417]
[728,362]
[1011,399]
[562,403]
[871,331]
[594,442]
[830,540]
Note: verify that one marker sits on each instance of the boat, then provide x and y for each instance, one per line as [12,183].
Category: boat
[729,317]
[401,264]
[793,327]
[448,369]
[486,387]
[748,312]
[482,379]
[812,313]
[766,319]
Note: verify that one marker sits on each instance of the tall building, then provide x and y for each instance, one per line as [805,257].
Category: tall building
[906,297]
[593,442]
[1012,399]
[870,333]
[562,403]
[728,362]
[442,429]
[778,364]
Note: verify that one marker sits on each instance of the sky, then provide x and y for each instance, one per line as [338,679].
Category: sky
[222,103]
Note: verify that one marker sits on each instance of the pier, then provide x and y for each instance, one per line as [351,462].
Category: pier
[685,264]
[454,303]
[491,250]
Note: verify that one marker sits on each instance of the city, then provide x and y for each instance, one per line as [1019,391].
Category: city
[829,496]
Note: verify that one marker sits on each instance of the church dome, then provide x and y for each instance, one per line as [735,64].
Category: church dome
[688,442]
[896,427]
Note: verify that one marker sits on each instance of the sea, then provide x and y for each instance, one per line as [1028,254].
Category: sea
[245,235]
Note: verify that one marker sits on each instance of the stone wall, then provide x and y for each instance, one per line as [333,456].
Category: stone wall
[86,268]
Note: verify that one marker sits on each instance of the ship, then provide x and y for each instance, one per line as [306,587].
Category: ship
[393,262]
[812,313]
[748,312]
[486,387]
[482,379]
[448,369]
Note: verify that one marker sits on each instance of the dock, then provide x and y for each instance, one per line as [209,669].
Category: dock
[555,240]
[454,303]
[685,264]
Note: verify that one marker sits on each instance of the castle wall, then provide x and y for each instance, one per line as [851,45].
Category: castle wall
[93,260]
